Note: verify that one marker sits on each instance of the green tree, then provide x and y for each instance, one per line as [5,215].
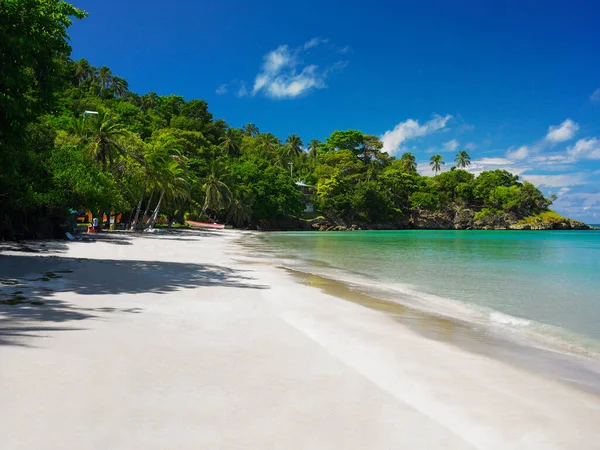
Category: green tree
[371,147]
[462,159]
[34,46]
[436,162]
[102,135]
[251,130]
[313,147]
[119,86]
[217,194]
[294,145]
[240,212]
[84,72]
[231,142]
[104,78]
[344,140]
[148,101]
[408,163]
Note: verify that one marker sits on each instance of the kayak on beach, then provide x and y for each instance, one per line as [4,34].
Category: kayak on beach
[214,226]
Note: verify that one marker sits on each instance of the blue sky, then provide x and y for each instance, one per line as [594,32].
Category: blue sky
[515,83]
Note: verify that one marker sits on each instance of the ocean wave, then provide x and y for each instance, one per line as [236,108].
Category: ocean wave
[506,319]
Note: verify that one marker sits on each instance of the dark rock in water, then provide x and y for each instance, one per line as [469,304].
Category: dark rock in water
[431,221]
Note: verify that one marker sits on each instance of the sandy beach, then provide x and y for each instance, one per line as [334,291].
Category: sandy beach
[188,341]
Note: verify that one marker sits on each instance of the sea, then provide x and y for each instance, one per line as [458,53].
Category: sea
[536,287]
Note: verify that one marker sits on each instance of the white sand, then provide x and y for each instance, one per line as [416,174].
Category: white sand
[173,343]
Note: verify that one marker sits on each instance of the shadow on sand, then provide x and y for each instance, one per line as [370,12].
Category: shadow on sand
[40,280]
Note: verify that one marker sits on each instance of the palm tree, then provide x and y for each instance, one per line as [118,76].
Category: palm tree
[217,194]
[408,163]
[148,100]
[120,86]
[269,141]
[165,168]
[172,184]
[313,146]
[83,71]
[240,212]
[103,135]
[294,145]
[436,161]
[230,142]
[104,78]
[462,159]
[251,130]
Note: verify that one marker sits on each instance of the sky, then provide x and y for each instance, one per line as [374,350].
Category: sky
[514,83]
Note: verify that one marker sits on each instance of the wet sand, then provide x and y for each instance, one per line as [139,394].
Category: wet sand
[187,341]
[579,371]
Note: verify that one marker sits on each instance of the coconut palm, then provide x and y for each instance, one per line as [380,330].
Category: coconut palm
[104,78]
[251,130]
[294,145]
[172,184]
[408,163]
[268,143]
[462,159]
[217,194]
[148,100]
[83,71]
[165,169]
[120,86]
[230,142]
[436,162]
[155,156]
[313,146]
[240,212]
[102,134]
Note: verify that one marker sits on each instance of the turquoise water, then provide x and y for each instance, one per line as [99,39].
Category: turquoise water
[547,281]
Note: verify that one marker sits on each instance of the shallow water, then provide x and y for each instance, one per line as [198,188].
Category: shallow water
[542,283]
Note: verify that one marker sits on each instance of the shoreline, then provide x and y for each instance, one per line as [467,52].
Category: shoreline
[562,362]
[569,368]
[190,340]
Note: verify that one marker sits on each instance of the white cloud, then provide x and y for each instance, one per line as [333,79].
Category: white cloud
[587,148]
[451,145]
[495,161]
[345,49]
[563,132]
[480,165]
[520,153]
[552,159]
[410,129]
[242,91]
[562,180]
[222,89]
[595,97]
[315,42]
[282,75]
[470,146]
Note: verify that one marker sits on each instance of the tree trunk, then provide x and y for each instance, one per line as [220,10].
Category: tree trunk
[148,205]
[139,207]
[155,215]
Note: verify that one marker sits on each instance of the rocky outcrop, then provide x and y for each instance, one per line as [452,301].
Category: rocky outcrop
[451,219]
[432,221]
[557,224]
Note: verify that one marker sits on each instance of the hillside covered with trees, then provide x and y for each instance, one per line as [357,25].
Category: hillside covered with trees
[73,136]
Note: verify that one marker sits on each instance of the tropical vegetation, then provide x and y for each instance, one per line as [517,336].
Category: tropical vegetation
[74,136]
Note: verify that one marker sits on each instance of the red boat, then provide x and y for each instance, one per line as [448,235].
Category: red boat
[213,226]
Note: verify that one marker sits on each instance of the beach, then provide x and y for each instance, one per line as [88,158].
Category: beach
[189,340]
